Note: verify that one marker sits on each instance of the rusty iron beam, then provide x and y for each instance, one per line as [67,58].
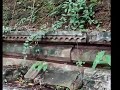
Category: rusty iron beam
[65,41]
[62,53]
[94,37]
[59,60]
[54,39]
[39,58]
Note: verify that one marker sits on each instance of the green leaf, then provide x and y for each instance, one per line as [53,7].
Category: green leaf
[95,21]
[45,67]
[98,26]
[80,63]
[81,26]
[98,58]
[107,58]
[63,15]
[76,9]
[40,67]
[82,21]
[66,10]
[81,8]
[90,22]
[95,1]
[26,44]
[100,55]
[33,67]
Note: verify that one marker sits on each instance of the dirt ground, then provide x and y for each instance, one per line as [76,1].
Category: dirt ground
[103,14]
[14,10]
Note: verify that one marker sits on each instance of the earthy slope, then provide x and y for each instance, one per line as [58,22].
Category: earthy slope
[15,11]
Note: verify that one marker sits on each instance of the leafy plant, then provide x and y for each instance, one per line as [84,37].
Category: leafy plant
[101,58]
[38,35]
[79,63]
[6,16]
[40,66]
[77,13]
[32,17]
[6,29]
[30,39]
[22,21]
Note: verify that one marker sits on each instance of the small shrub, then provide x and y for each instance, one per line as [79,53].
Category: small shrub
[101,58]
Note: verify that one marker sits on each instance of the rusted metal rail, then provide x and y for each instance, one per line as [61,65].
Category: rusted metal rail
[95,37]
[62,47]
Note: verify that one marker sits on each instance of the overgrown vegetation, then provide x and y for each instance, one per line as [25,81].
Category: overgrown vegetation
[25,12]
[17,12]
[6,29]
[76,14]
[101,58]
